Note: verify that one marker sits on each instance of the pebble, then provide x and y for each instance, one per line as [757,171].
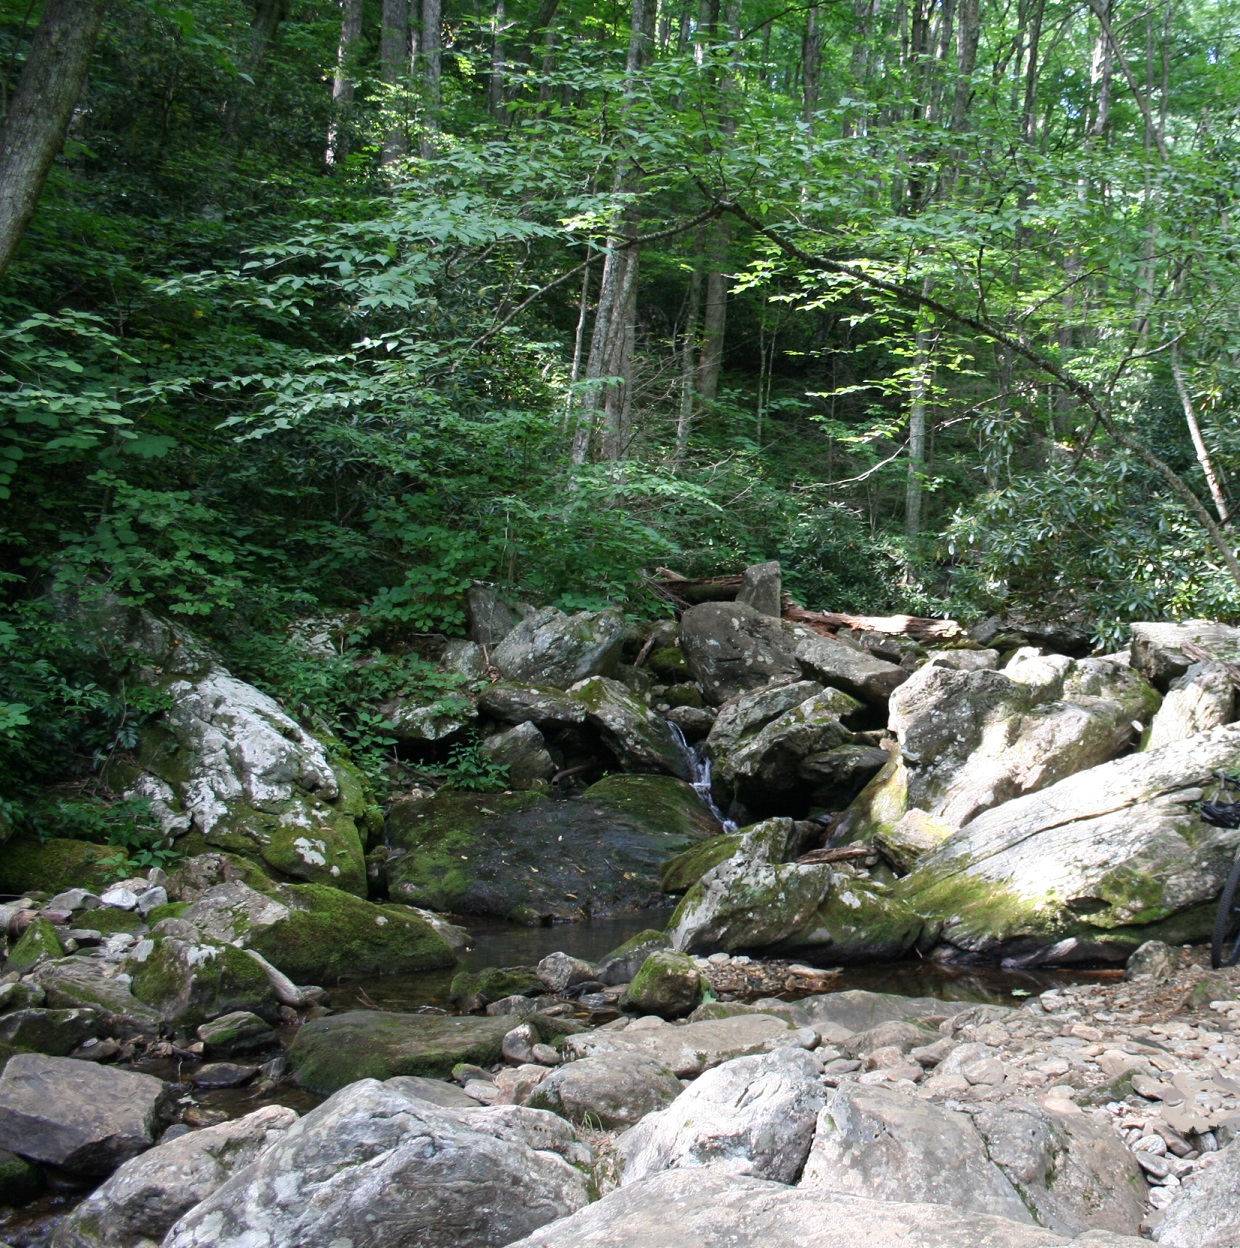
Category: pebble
[1153,1165]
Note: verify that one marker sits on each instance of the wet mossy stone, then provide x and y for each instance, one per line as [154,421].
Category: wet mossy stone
[329,1053]
[526,857]
[110,919]
[20,1181]
[189,984]
[55,865]
[682,872]
[54,1032]
[669,663]
[668,984]
[39,943]
[80,983]
[623,962]
[472,990]
[329,933]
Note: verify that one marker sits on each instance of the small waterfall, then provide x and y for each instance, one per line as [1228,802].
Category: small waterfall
[699,771]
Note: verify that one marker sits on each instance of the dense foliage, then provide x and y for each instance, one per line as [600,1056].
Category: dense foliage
[596,289]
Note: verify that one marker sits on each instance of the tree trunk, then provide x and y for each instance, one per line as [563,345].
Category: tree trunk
[688,368]
[342,83]
[394,66]
[1199,443]
[38,115]
[495,82]
[917,424]
[430,62]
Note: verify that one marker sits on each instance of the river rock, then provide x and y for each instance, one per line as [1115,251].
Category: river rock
[639,738]
[551,648]
[752,1116]
[712,1209]
[762,588]
[313,933]
[969,741]
[523,751]
[1203,698]
[743,715]
[90,983]
[623,963]
[529,858]
[39,943]
[1088,868]
[374,1165]
[687,1049]
[859,1010]
[239,1032]
[141,1201]
[1072,1172]
[543,707]
[730,648]
[85,1118]
[58,1032]
[1207,1212]
[560,970]
[848,667]
[328,1053]
[837,776]
[882,1144]
[668,984]
[614,1089]
[29,866]
[190,982]
[410,720]
[1157,648]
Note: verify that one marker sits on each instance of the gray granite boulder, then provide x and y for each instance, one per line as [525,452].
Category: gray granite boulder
[1157,648]
[1207,1212]
[523,751]
[1203,698]
[848,667]
[762,587]
[376,1166]
[640,739]
[551,648]
[614,1089]
[730,648]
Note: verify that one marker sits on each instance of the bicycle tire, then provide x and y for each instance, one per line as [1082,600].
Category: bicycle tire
[1225,941]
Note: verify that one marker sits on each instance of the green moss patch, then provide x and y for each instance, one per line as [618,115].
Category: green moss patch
[40,943]
[683,871]
[55,865]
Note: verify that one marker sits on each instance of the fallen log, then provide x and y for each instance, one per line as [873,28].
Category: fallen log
[919,628]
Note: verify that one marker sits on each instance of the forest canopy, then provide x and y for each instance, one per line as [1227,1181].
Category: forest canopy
[335,309]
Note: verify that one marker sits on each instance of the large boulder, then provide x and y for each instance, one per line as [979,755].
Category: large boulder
[640,739]
[529,858]
[1207,1213]
[91,983]
[525,704]
[1089,868]
[142,1200]
[667,984]
[886,1145]
[615,1089]
[374,1165]
[1158,648]
[190,982]
[84,1118]
[752,1115]
[713,1209]
[757,900]
[1203,698]
[521,749]
[28,866]
[328,1053]
[551,648]
[731,647]
[687,1049]
[848,667]
[762,586]
[314,933]
[971,740]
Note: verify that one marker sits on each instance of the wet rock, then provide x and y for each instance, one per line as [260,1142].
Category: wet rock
[887,1145]
[374,1165]
[222,1075]
[410,720]
[39,943]
[57,1032]
[473,990]
[615,1089]
[521,704]
[559,971]
[730,648]
[189,983]
[328,1053]
[20,1182]
[639,738]
[238,1032]
[762,588]
[838,775]
[1155,958]
[143,1199]
[523,751]
[551,648]
[87,983]
[911,838]
[84,1118]
[752,1116]
[688,1049]
[730,1211]
[623,963]
[667,984]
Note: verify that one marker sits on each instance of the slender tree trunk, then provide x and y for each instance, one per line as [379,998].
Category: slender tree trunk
[688,366]
[394,66]
[1213,480]
[430,63]
[917,423]
[268,14]
[966,61]
[811,65]
[38,116]
[495,82]
[342,83]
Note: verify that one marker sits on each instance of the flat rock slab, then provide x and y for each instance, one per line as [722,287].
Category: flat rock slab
[331,1052]
[694,1047]
[712,1210]
[84,1118]
[859,1010]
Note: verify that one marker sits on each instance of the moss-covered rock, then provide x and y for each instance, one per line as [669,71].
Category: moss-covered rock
[683,871]
[668,984]
[80,983]
[191,983]
[623,962]
[39,943]
[110,919]
[640,739]
[329,1053]
[55,865]
[527,857]
[668,663]
[54,1032]
[20,1181]
[472,990]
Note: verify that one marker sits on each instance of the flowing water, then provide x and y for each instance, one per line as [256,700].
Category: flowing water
[699,771]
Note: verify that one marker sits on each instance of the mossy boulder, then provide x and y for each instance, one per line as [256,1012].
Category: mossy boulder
[110,919]
[80,983]
[54,1032]
[682,872]
[20,1181]
[57,864]
[640,739]
[472,990]
[39,943]
[189,983]
[329,1053]
[528,857]
[668,663]
[668,984]
[623,962]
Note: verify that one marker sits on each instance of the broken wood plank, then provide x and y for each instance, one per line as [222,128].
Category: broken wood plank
[919,628]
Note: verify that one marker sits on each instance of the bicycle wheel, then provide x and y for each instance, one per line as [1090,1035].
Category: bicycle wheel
[1225,944]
